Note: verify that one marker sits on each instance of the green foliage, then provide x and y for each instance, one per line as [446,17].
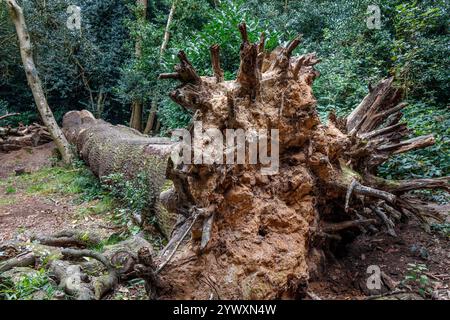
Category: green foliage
[221,28]
[77,182]
[75,66]
[431,162]
[59,180]
[442,228]
[412,45]
[27,286]
[133,196]
[416,275]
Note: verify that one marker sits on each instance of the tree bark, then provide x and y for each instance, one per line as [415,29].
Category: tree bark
[167,30]
[35,83]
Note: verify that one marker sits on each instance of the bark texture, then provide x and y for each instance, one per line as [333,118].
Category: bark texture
[245,235]
[35,83]
[109,149]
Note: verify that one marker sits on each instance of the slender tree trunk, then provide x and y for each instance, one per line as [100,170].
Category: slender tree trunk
[136,106]
[152,117]
[35,83]
[167,31]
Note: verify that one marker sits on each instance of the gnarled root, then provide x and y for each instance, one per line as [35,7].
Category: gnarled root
[69,239]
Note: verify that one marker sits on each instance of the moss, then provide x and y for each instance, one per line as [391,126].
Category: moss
[348,175]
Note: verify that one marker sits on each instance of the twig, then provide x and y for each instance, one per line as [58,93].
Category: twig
[177,245]
[349,194]
[386,294]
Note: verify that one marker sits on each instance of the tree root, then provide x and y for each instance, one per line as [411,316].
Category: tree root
[22,260]
[118,262]
[69,239]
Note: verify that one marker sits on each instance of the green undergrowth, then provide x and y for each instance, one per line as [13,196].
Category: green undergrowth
[28,287]
[77,181]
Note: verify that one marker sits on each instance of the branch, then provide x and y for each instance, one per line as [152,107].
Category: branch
[292,45]
[261,44]
[374,193]
[248,75]
[9,115]
[243,30]
[401,186]
[388,222]
[172,75]
[215,61]
[184,71]
[335,227]
[356,117]
[408,145]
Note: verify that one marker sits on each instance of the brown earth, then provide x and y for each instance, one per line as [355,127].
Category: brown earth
[346,276]
[28,159]
[23,215]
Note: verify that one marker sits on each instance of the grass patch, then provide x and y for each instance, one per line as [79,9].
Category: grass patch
[10,190]
[77,180]
[97,207]
[7,201]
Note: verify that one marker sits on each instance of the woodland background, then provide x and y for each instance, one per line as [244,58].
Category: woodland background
[96,68]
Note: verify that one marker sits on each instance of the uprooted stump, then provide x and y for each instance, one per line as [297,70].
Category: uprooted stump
[243,234]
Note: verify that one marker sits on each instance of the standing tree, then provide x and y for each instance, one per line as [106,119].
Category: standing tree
[152,118]
[136,106]
[35,83]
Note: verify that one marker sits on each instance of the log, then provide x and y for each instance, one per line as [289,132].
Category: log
[109,149]
[22,260]
[69,239]
[23,136]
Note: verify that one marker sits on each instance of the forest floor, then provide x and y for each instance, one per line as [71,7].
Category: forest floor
[37,199]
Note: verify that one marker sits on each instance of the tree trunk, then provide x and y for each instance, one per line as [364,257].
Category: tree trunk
[35,83]
[167,30]
[244,234]
[152,120]
[136,106]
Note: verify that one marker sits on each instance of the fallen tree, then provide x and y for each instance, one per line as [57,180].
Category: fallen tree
[257,236]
